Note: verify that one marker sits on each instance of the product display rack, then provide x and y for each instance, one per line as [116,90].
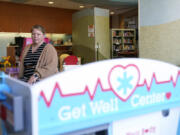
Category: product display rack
[123,43]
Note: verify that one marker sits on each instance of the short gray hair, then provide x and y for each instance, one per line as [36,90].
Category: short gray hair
[39,27]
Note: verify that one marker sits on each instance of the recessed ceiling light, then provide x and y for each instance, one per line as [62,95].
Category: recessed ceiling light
[112,13]
[51,2]
[81,6]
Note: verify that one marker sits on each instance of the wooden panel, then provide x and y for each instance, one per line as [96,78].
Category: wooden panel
[9,23]
[20,18]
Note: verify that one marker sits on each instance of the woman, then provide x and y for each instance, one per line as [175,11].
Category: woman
[39,60]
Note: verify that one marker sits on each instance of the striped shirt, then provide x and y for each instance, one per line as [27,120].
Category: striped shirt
[30,61]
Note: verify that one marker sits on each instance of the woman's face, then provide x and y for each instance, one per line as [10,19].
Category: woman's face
[37,37]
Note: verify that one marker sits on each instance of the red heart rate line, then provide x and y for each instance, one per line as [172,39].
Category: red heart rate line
[174,82]
[57,87]
[86,89]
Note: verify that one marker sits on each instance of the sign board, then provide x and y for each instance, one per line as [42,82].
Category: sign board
[91,30]
[107,92]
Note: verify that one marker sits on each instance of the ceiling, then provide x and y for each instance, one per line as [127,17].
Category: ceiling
[117,6]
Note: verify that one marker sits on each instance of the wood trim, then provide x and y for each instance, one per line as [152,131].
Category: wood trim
[21,17]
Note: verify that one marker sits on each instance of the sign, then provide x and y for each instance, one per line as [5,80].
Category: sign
[104,92]
[91,30]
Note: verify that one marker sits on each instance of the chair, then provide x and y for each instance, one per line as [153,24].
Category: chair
[61,60]
[71,62]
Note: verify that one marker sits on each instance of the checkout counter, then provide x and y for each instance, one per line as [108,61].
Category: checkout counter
[119,96]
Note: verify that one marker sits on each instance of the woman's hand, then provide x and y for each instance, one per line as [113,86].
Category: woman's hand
[32,79]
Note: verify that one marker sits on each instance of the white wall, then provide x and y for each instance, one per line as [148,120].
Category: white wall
[6,38]
[159,33]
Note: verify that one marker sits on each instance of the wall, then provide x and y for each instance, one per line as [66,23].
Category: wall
[126,17]
[83,45]
[118,20]
[159,30]
[6,38]
[114,21]
[17,20]
[102,33]
[20,18]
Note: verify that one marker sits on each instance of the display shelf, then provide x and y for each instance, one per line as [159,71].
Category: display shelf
[123,43]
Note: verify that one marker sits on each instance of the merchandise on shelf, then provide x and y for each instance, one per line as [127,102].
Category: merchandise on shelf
[123,43]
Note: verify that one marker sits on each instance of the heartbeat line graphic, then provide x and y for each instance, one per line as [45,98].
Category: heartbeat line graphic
[57,87]
[174,82]
[86,89]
